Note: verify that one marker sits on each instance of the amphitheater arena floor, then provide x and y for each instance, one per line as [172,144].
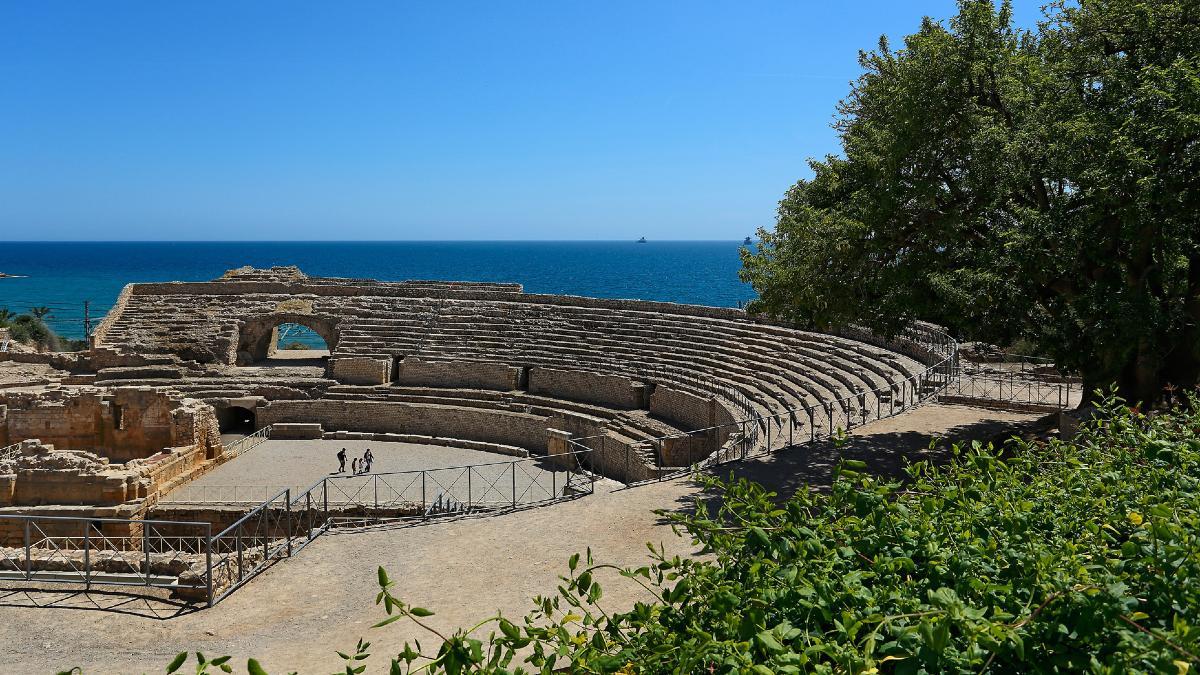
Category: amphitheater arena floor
[274,465]
[297,613]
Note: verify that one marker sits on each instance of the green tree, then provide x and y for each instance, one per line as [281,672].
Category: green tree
[40,312]
[1014,185]
[6,315]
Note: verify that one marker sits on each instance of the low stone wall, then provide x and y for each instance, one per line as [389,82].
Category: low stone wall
[588,387]
[297,431]
[480,424]
[469,374]
[360,370]
[687,410]
[388,437]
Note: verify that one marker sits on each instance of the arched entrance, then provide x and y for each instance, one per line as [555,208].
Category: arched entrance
[236,420]
[286,337]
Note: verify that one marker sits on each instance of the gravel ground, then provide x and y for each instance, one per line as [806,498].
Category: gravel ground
[298,612]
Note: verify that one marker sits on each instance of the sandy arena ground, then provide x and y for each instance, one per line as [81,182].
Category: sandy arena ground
[268,468]
[298,612]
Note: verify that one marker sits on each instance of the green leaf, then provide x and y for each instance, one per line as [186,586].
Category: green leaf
[177,662]
[420,612]
[254,668]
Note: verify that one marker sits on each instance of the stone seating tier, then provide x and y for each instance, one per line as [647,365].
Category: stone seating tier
[752,367]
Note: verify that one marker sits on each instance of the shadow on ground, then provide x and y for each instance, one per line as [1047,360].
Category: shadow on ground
[119,602]
[886,454]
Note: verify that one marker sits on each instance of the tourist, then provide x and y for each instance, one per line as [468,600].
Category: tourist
[369,459]
[354,466]
[341,456]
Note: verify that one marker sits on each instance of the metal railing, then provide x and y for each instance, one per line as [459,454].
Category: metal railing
[188,558]
[224,494]
[672,455]
[10,451]
[1018,386]
[104,551]
[246,443]
[286,520]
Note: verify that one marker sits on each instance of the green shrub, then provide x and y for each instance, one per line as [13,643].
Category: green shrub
[1048,557]
[31,330]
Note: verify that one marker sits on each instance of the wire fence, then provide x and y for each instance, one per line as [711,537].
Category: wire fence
[250,441]
[188,558]
[10,451]
[105,552]
[1016,387]
[677,454]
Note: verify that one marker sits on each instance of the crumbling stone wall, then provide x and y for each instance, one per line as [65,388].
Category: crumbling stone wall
[120,424]
[40,475]
[360,370]
[520,429]
[413,371]
[576,385]
[102,447]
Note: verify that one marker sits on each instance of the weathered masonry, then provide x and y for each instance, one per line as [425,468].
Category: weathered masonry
[483,361]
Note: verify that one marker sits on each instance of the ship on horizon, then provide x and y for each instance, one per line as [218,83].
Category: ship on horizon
[642,240]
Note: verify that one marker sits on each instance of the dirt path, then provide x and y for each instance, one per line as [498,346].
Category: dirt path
[297,613]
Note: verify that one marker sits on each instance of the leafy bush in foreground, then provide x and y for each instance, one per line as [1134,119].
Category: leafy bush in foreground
[1055,557]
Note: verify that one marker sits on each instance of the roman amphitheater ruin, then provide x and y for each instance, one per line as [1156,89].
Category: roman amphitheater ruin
[121,464]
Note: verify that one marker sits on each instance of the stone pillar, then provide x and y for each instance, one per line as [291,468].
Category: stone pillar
[558,448]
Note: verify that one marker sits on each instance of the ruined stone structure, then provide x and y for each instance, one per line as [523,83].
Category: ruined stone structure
[481,361]
[648,387]
[90,447]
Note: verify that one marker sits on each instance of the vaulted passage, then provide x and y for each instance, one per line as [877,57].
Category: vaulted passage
[236,420]
[285,338]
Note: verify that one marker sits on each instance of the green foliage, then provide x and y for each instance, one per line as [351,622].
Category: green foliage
[31,329]
[1046,557]
[1014,185]
[296,346]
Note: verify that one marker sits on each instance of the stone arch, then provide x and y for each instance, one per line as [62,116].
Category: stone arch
[257,336]
[237,419]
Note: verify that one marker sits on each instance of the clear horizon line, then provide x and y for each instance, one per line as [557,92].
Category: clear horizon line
[352,241]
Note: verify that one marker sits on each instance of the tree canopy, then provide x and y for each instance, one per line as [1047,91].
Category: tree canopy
[1036,185]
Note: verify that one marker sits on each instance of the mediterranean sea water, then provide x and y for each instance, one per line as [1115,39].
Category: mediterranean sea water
[62,275]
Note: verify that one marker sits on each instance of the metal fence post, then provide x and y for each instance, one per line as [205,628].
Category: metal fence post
[325,498]
[768,438]
[375,484]
[469,487]
[146,553]
[28,556]
[208,561]
[87,558]
[308,512]
[239,552]
[513,469]
[287,498]
[423,510]
[812,426]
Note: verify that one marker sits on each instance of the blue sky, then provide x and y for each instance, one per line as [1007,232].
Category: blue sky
[397,120]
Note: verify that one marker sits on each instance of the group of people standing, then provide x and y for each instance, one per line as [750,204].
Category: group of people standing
[357,465]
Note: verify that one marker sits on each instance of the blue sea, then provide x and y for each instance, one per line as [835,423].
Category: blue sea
[62,275]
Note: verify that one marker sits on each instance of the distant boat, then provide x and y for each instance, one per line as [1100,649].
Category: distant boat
[642,240]
[747,242]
